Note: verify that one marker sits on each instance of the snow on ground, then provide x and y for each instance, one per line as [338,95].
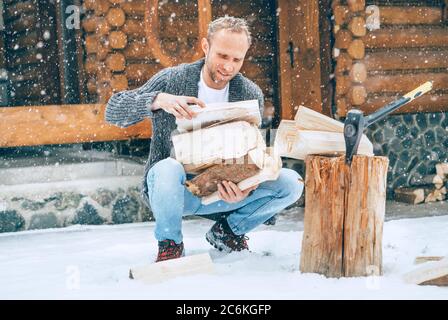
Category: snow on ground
[92,262]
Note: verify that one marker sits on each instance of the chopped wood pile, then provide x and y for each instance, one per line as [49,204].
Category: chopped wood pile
[313,133]
[223,142]
[424,189]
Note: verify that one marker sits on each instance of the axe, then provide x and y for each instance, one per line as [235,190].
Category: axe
[356,122]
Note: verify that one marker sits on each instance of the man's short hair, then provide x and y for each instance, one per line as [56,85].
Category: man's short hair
[232,24]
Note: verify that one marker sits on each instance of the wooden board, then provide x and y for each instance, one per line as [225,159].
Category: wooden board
[59,124]
[170,269]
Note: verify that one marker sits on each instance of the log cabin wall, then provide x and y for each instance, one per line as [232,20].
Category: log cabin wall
[406,46]
[30,50]
[118,56]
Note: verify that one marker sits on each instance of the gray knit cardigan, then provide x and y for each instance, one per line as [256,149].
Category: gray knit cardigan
[130,107]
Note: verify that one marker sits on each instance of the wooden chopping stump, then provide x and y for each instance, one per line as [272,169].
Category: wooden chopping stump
[344,215]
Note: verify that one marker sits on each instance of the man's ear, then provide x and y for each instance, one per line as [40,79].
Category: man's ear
[205,46]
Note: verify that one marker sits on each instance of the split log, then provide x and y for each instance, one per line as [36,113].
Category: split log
[270,165]
[356,5]
[430,273]
[435,195]
[344,214]
[432,179]
[298,144]
[235,170]
[218,113]
[420,260]
[118,40]
[407,38]
[409,195]
[116,17]
[227,141]
[356,49]
[169,269]
[357,26]
[442,170]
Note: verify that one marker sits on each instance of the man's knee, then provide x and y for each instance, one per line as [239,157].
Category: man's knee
[291,184]
[168,170]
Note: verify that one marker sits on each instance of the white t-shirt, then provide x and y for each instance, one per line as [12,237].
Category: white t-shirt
[210,95]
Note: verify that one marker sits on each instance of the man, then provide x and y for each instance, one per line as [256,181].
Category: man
[165,97]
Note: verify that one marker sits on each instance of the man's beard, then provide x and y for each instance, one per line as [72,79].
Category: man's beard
[214,73]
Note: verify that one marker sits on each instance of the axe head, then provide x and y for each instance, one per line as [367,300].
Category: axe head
[353,129]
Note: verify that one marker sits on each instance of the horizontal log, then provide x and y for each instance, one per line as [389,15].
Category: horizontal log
[60,124]
[134,8]
[403,83]
[119,82]
[407,38]
[356,5]
[357,95]
[15,10]
[138,50]
[394,15]
[134,28]
[26,23]
[142,71]
[426,103]
[358,72]
[406,60]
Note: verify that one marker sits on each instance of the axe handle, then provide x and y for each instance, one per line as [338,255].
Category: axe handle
[394,105]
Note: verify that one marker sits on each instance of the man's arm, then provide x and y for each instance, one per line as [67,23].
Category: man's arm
[132,106]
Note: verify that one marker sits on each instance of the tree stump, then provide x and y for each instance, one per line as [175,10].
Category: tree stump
[344,214]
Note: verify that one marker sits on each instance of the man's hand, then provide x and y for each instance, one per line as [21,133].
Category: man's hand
[231,193]
[177,105]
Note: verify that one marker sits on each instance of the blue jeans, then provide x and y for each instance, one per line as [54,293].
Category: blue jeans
[170,200]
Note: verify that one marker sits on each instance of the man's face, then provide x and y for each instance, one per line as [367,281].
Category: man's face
[224,55]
